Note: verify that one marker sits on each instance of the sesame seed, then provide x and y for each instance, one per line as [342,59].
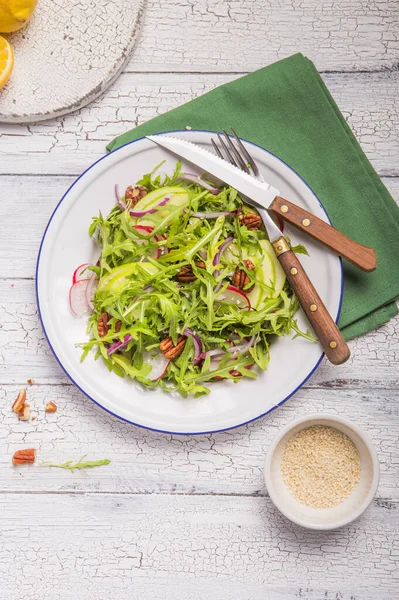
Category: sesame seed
[320,466]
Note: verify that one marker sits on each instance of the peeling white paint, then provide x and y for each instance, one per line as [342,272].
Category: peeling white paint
[69,53]
[188,517]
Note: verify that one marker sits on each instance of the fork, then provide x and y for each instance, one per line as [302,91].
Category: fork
[237,154]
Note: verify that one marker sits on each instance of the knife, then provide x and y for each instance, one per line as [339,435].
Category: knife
[331,339]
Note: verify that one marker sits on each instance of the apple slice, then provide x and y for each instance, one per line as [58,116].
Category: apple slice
[267,270]
[177,197]
[114,281]
[234,295]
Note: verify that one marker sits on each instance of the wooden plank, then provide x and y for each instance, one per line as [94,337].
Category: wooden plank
[235,36]
[145,462]
[98,546]
[68,145]
[23,226]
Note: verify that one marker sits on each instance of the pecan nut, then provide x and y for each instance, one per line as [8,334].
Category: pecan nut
[51,407]
[134,194]
[186,273]
[169,350]
[240,278]
[118,326]
[251,221]
[19,401]
[102,324]
[22,457]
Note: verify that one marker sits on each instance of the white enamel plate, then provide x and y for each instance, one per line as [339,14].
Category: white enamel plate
[66,244]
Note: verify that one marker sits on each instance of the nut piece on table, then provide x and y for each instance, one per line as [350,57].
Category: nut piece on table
[134,194]
[30,381]
[186,273]
[22,457]
[251,221]
[24,413]
[51,407]
[19,401]
[171,351]
[240,278]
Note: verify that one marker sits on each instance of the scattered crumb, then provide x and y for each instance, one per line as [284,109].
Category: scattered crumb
[30,381]
[19,401]
[188,128]
[33,419]
[51,407]
[24,413]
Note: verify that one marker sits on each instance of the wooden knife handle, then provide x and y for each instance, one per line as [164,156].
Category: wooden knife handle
[330,337]
[361,256]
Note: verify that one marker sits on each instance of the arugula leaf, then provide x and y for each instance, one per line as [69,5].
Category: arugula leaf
[299,249]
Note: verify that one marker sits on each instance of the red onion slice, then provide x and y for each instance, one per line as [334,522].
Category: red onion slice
[214,352]
[197,343]
[142,213]
[240,348]
[119,345]
[212,215]
[222,248]
[119,200]
[203,254]
[244,347]
[197,179]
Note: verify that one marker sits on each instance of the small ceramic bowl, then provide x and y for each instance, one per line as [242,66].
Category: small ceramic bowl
[323,518]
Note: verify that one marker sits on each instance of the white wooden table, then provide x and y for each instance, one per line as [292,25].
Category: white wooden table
[188,517]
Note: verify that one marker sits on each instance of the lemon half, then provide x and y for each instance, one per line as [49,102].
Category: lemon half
[6,61]
[14,14]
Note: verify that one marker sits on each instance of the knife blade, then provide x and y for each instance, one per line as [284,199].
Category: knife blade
[262,194]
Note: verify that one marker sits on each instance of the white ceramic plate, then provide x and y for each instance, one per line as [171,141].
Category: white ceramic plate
[66,245]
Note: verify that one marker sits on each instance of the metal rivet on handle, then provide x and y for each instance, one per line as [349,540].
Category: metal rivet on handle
[279,248]
[284,208]
[293,271]
[306,222]
[313,307]
[333,344]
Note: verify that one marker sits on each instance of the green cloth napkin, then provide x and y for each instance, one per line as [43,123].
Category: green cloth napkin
[287,109]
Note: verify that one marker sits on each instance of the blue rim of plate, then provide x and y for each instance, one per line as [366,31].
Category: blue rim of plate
[90,397]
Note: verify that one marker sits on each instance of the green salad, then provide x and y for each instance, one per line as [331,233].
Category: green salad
[187,289]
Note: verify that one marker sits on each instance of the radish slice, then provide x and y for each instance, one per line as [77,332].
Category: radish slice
[77,298]
[142,230]
[80,273]
[91,290]
[236,296]
[158,363]
[161,249]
